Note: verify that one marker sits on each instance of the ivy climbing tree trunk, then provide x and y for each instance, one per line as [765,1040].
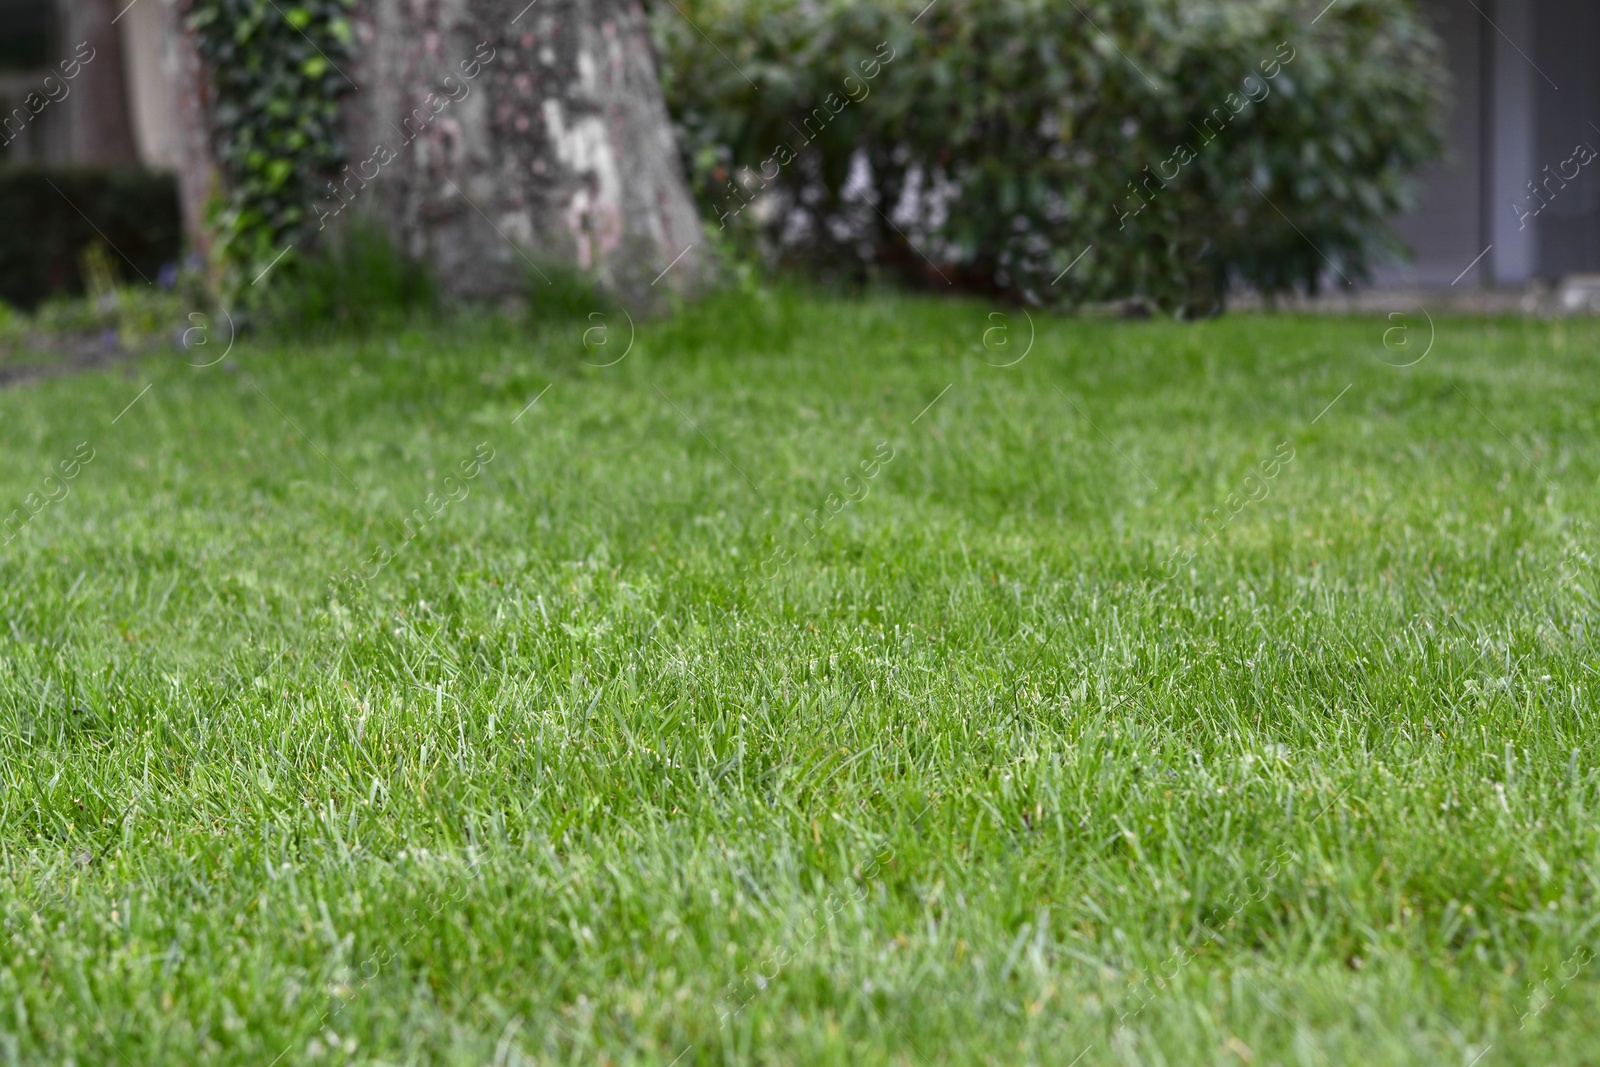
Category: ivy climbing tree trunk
[499,138]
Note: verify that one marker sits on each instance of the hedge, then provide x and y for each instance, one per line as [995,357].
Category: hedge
[54,213]
[1189,145]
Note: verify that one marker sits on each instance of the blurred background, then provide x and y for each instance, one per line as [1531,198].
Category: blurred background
[1018,151]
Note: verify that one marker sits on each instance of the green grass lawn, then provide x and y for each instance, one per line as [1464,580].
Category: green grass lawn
[1022,751]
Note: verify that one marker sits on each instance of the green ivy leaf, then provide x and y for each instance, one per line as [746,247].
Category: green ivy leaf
[278,172]
[276,117]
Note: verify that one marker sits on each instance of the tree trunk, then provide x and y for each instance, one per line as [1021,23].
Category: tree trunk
[511,138]
[188,96]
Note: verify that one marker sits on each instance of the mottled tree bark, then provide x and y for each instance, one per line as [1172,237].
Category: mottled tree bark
[102,129]
[490,133]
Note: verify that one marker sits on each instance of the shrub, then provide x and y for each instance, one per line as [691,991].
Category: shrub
[987,143]
[557,293]
[54,214]
[354,280]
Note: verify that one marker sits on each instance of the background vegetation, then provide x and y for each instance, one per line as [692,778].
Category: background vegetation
[995,144]
[1007,136]
[278,83]
[49,227]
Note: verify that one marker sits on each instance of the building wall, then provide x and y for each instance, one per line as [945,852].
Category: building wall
[1526,96]
[1446,232]
[43,138]
[1512,117]
[30,42]
[90,124]
[1566,36]
[101,132]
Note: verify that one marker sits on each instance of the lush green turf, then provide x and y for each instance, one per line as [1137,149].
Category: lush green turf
[584,774]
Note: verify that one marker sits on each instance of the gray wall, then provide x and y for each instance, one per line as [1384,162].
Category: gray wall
[1527,93]
[1566,36]
[1512,119]
[1447,231]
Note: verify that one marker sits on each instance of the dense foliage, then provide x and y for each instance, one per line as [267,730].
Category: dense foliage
[276,73]
[987,143]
